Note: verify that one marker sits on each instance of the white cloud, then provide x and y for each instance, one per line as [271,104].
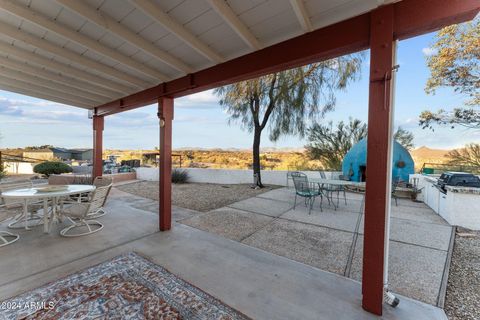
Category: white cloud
[40,110]
[201,100]
[429,51]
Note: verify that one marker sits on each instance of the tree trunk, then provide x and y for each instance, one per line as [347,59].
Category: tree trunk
[256,157]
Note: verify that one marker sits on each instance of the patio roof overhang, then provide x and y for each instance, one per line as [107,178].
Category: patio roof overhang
[411,18]
[89,53]
[98,54]
[92,55]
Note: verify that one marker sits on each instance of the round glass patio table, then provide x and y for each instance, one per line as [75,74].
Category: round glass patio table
[34,194]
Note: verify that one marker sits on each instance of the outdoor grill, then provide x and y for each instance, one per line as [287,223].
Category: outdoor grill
[458,179]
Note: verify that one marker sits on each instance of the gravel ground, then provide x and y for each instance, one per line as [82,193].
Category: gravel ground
[463,291]
[197,196]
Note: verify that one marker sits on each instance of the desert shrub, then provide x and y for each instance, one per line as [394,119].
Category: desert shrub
[52,167]
[180,176]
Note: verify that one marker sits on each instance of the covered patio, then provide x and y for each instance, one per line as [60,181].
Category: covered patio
[260,284]
[110,58]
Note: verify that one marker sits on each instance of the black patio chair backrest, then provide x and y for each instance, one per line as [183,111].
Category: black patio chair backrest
[322,174]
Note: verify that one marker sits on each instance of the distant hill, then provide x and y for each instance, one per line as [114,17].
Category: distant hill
[424,154]
[266,149]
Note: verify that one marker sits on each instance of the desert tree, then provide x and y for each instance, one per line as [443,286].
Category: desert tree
[330,144]
[285,102]
[467,156]
[405,138]
[455,63]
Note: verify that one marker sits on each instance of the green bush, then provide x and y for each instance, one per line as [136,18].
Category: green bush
[52,167]
[179,176]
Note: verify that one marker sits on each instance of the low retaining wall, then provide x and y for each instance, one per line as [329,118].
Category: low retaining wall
[227,176]
[70,178]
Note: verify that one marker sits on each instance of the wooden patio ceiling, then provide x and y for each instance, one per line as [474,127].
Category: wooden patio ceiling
[92,52]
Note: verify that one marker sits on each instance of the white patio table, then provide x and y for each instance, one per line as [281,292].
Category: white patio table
[34,194]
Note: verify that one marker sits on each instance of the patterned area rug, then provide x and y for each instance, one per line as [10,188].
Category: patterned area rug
[126,287]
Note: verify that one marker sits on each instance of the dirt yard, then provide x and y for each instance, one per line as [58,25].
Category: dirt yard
[197,196]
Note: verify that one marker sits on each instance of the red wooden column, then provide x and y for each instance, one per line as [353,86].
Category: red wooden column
[379,144]
[165,115]
[98,125]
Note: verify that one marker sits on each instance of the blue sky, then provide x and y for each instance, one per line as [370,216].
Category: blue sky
[201,122]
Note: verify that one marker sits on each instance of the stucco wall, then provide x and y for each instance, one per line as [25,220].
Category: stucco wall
[19,167]
[226,176]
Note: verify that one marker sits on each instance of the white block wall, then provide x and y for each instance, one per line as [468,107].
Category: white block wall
[27,168]
[19,167]
[226,176]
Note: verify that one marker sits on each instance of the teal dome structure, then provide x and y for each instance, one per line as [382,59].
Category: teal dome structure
[354,163]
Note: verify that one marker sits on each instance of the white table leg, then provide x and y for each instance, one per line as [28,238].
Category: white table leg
[25,213]
[54,212]
[45,216]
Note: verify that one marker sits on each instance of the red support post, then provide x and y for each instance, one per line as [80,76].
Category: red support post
[98,125]
[165,115]
[379,144]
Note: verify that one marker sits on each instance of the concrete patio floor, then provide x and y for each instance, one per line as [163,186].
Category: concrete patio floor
[333,240]
[258,283]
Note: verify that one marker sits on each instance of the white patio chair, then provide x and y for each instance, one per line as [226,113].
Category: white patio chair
[98,182]
[101,182]
[33,207]
[6,237]
[80,213]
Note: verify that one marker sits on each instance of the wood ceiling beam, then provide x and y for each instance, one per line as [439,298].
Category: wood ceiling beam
[302,15]
[230,17]
[417,17]
[30,93]
[109,24]
[72,35]
[74,57]
[18,79]
[314,46]
[99,84]
[8,70]
[42,90]
[59,79]
[318,45]
[153,11]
